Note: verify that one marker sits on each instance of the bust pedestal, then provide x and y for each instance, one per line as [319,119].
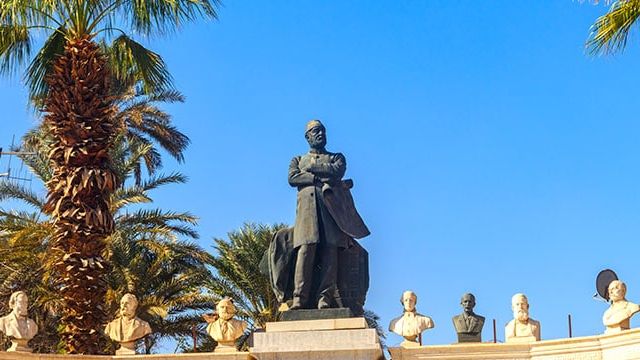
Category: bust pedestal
[469,337]
[19,345]
[127,348]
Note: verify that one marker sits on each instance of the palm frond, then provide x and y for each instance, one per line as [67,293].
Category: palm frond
[42,64]
[165,16]
[611,31]
[160,180]
[9,190]
[129,57]
[15,47]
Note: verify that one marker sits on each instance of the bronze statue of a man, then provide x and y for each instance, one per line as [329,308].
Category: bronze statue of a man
[326,221]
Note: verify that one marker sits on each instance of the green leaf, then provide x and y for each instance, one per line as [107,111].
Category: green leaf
[15,47]
[165,16]
[129,58]
[610,32]
[42,64]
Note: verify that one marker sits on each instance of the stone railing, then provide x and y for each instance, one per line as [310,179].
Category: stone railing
[622,346]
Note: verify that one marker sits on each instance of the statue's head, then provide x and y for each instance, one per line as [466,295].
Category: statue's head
[225,308]
[409,299]
[520,307]
[128,306]
[316,134]
[617,290]
[19,303]
[468,302]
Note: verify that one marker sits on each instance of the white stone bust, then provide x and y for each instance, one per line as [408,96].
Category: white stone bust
[411,324]
[17,325]
[127,327]
[223,328]
[522,328]
[617,316]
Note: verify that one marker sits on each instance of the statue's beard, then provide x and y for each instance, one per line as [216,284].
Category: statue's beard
[521,315]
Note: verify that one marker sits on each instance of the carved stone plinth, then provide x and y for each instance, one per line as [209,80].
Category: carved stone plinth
[317,339]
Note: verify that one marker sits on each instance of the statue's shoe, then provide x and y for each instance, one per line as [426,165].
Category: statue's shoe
[323,304]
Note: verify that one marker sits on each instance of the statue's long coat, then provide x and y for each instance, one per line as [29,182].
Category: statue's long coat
[314,224]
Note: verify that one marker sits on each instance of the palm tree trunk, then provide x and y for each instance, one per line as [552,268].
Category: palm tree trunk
[80,113]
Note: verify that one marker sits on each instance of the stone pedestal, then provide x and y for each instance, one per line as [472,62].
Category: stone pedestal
[19,345]
[127,348]
[344,339]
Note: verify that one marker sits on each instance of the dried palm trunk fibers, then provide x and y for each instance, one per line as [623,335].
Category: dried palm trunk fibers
[80,113]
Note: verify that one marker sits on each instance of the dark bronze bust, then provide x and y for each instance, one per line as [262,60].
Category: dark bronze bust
[468,325]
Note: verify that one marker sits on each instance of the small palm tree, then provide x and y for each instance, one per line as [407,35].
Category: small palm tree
[610,31]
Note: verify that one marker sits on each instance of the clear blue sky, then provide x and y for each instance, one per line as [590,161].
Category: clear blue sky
[489,153]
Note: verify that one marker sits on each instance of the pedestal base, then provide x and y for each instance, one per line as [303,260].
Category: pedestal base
[20,345]
[316,314]
[469,338]
[225,347]
[317,340]
[127,348]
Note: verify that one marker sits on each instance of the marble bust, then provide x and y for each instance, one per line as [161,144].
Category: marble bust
[522,328]
[468,325]
[17,325]
[411,324]
[617,316]
[223,328]
[127,327]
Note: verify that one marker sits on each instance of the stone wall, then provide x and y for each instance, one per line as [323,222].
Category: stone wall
[622,346]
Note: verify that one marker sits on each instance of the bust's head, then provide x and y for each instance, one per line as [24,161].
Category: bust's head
[468,302]
[19,303]
[520,307]
[316,134]
[617,291]
[128,306]
[226,309]
[409,299]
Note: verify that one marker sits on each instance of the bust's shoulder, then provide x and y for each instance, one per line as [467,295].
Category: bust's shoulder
[633,306]
[141,322]
[511,323]
[424,318]
[534,323]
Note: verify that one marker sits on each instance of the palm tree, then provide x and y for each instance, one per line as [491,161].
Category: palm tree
[147,255]
[72,74]
[610,31]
